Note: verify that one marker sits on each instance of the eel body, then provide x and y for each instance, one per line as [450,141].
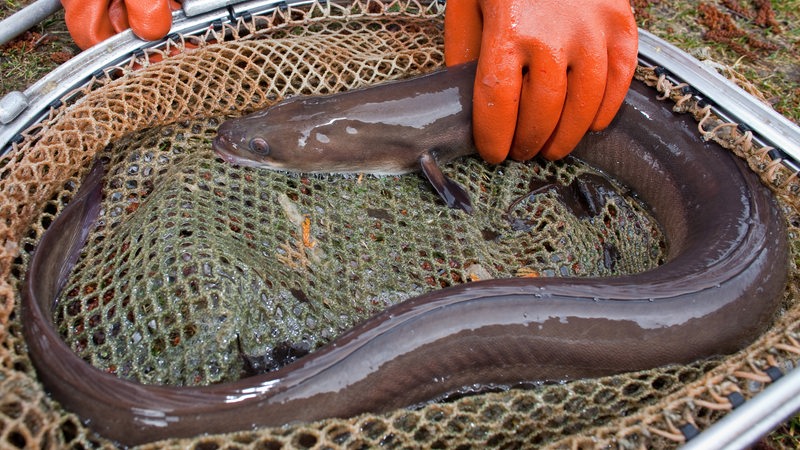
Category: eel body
[392,128]
[720,287]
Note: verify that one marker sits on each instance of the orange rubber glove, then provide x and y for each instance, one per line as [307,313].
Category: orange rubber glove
[548,70]
[92,21]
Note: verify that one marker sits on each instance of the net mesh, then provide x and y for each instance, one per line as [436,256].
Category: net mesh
[195,254]
[196,258]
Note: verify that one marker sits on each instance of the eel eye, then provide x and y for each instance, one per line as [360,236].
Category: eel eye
[259,146]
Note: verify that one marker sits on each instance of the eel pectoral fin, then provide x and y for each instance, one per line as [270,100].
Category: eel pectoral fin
[451,192]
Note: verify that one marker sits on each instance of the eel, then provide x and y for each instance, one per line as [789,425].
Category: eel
[721,284]
[388,129]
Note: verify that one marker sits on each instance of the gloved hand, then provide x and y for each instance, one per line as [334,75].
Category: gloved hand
[93,21]
[548,70]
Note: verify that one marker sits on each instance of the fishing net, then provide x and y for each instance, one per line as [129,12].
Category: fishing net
[198,266]
[197,258]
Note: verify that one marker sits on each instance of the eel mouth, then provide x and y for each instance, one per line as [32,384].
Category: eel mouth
[226,149]
[223,148]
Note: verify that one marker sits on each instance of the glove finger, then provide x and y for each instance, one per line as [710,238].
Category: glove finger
[150,20]
[118,15]
[87,22]
[463,25]
[543,93]
[495,104]
[586,83]
[622,59]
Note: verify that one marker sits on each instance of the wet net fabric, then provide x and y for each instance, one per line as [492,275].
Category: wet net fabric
[196,263]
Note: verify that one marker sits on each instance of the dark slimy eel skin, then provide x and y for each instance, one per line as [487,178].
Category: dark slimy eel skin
[719,289]
[392,128]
